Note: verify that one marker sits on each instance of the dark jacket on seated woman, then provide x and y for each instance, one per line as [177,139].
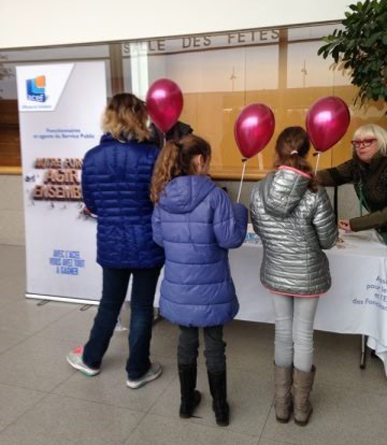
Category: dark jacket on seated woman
[370,183]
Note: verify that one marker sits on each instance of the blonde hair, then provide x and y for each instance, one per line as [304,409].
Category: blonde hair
[126,117]
[374,131]
[176,159]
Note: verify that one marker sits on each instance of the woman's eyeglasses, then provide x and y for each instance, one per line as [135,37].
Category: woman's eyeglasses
[363,143]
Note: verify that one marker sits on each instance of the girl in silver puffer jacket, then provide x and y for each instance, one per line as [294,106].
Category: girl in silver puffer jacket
[295,221]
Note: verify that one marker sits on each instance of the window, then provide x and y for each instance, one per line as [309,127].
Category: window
[10,157]
[219,75]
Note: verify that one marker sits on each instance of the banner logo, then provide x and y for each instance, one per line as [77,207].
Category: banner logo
[36,89]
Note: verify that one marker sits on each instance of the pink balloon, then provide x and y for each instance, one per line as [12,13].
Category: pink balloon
[164,101]
[327,121]
[253,129]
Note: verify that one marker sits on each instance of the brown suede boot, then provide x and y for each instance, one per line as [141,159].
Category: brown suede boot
[302,386]
[283,398]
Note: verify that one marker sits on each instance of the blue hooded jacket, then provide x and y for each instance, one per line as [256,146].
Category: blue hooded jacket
[116,185]
[196,223]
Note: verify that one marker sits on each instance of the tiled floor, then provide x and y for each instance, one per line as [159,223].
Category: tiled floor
[45,402]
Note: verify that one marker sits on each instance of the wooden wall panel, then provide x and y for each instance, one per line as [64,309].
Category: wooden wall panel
[9,134]
[212,115]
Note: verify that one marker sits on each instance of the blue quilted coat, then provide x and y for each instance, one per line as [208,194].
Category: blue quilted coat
[196,223]
[115,185]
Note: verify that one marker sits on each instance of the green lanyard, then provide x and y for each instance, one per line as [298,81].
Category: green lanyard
[361,197]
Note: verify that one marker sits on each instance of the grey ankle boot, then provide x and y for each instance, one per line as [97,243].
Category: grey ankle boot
[283,398]
[302,386]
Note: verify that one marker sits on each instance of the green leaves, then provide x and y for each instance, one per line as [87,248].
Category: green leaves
[362,47]
[372,40]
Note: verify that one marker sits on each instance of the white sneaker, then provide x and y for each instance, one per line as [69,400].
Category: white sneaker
[153,373]
[74,358]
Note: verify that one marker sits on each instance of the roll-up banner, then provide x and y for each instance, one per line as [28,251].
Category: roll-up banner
[60,111]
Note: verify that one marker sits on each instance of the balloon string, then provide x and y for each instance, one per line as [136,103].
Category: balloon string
[243,175]
[317,162]
[164,139]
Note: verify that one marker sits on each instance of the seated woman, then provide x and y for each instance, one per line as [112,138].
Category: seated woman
[367,171]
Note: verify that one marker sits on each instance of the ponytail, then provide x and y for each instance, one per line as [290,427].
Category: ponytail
[292,148]
[175,159]
[166,168]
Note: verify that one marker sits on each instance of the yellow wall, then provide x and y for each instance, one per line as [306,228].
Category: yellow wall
[212,115]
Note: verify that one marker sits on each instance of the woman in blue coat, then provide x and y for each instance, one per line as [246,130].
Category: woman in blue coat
[116,178]
[196,223]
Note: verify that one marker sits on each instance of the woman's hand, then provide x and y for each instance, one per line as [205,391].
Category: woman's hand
[345,225]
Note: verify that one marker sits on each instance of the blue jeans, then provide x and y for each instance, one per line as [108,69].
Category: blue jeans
[114,289]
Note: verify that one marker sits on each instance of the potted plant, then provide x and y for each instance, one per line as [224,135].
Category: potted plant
[361,47]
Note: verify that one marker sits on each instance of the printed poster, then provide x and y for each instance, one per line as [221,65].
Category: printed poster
[60,111]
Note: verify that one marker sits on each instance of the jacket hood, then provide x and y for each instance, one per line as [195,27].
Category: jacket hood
[283,190]
[184,193]
[107,137]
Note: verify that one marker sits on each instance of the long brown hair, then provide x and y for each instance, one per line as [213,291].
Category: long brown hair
[292,148]
[175,159]
[125,117]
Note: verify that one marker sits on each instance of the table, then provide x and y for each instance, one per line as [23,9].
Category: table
[356,302]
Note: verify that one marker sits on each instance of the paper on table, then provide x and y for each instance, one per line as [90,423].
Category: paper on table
[251,236]
[356,239]
[358,236]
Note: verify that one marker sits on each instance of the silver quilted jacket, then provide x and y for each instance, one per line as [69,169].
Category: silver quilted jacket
[294,225]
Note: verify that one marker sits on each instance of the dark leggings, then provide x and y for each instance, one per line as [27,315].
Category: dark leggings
[187,350]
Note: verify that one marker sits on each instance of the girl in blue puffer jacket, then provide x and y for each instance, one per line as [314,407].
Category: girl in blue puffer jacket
[196,223]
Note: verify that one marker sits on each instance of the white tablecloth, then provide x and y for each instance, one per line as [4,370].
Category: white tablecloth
[356,302]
